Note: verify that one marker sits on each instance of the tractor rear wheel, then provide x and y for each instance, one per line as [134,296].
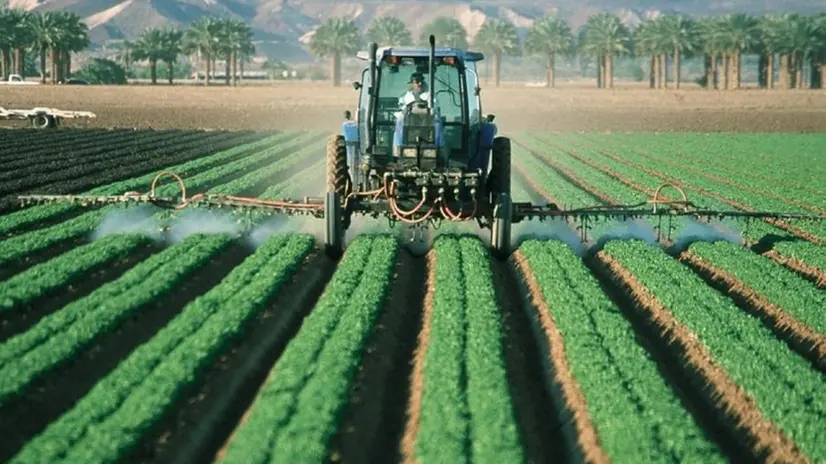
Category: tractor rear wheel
[499,180]
[338,186]
[338,174]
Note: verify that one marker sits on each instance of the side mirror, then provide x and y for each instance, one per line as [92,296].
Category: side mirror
[356,85]
[477,91]
[489,117]
[348,115]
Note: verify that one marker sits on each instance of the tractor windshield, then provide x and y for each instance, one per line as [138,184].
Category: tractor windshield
[395,82]
[395,87]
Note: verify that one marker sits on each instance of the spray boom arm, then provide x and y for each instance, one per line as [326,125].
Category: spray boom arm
[384,200]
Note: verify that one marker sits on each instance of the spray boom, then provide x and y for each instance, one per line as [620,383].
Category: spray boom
[384,201]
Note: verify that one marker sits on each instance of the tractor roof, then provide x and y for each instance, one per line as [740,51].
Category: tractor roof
[462,55]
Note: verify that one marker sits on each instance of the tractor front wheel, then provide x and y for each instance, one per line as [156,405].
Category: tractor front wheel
[499,178]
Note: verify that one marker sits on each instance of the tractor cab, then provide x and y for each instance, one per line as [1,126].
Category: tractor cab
[419,108]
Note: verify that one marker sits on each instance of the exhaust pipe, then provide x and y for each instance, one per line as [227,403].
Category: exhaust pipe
[432,73]
[371,101]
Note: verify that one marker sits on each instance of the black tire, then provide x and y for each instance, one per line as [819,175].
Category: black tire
[334,232]
[338,174]
[499,178]
[43,121]
[500,231]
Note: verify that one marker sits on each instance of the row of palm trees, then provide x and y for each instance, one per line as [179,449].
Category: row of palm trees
[784,42]
[209,38]
[55,34]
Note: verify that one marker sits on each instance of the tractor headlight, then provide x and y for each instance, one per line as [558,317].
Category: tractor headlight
[429,153]
[409,153]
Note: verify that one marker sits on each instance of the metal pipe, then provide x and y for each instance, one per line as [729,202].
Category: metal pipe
[372,93]
[432,73]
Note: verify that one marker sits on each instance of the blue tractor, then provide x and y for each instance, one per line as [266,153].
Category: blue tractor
[420,150]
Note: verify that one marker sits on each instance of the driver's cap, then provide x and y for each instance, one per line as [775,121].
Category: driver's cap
[417,77]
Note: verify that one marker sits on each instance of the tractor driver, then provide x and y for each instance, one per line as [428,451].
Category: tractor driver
[418,90]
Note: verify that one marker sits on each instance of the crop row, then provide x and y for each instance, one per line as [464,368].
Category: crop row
[126,161]
[298,409]
[17,143]
[724,190]
[753,160]
[760,387]
[111,419]
[35,214]
[808,252]
[465,410]
[16,247]
[601,370]
[93,149]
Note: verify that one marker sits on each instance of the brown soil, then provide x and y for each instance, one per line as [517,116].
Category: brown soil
[807,341]
[812,273]
[210,409]
[525,360]
[733,404]
[59,389]
[414,405]
[583,431]
[291,106]
[374,421]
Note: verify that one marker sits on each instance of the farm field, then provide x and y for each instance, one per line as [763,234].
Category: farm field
[309,106]
[140,336]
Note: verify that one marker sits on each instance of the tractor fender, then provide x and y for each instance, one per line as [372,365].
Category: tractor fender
[350,131]
[487,132]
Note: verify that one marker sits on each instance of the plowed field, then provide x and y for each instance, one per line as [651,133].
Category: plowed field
[134,335]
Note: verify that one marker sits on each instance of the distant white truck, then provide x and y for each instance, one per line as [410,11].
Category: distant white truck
[17,79]
[44,118]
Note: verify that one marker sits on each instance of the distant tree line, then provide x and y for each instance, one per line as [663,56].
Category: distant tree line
[783,42]
[55,35]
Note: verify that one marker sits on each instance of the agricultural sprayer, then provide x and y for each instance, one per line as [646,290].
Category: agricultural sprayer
[420,152]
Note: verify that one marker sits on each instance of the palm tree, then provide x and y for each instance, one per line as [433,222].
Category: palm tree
[172,39]
[202,37]
[74,38]
[45,29]
[498,38]
[449,32]
[740,34]
[550,36]
[6,24]
[235,36]
[389,30]
[712,45]
[648,42]
[334,38]
[678,35]
[18,37]
[604,37]
[150,46]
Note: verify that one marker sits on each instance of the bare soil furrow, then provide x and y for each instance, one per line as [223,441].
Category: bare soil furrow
[57,391]
[207,413]
[732,405]
[576,424]
[806,341]
[373,425]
